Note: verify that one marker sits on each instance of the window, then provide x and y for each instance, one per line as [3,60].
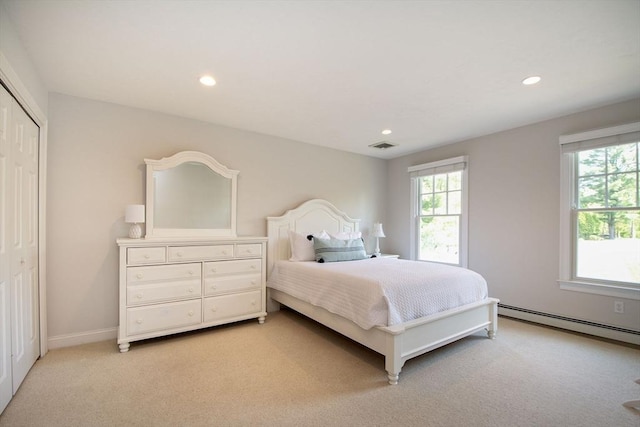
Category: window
[600,223]
[438,206]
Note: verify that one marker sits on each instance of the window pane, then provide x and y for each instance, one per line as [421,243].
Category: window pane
[591,192]
[622,190]
[622,158]
[608,246]
[455,202]
[455,181]
[426,204]
[426,184]
[440,182]
[439,204]
[592,162]
[439,239]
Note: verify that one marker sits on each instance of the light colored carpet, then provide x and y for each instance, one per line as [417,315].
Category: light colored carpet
[293,372]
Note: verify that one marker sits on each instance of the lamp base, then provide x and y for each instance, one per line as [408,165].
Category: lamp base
[135,232]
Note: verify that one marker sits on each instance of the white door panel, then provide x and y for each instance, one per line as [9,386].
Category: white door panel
[6,382]
[19,308]
[24,262]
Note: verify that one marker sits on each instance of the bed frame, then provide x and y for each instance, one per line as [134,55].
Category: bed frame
[397,343]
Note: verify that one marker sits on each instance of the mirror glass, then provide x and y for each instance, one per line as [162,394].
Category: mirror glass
[190,194]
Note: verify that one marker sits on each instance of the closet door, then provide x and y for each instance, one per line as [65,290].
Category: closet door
[25,337]
[19,336]
[6,384]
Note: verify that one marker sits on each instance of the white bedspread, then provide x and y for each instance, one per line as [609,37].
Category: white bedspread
[379,291]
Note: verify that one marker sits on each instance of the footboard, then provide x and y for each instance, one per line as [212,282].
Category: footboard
[422,335]
[402,342]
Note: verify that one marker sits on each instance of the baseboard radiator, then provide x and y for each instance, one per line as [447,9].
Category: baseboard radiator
[577,325]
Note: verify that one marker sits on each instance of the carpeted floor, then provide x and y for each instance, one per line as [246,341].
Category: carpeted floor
[293,372]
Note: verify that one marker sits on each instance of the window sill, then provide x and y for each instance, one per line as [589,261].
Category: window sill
[620,291]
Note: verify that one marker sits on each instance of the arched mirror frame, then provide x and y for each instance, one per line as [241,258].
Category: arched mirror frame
[171,162]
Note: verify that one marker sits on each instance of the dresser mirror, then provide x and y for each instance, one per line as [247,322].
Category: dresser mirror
[190,194]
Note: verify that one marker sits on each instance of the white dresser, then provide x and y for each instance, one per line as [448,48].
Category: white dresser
[173,285]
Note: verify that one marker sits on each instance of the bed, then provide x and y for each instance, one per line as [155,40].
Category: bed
[399,341]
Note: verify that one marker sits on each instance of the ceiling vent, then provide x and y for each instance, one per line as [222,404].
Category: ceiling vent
[383,145]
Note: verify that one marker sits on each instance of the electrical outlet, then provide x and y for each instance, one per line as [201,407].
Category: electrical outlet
[618,306]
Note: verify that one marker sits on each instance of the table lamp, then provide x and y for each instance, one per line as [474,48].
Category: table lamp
[377,233]
[134,215]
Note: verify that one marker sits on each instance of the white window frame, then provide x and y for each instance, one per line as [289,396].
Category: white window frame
[570,144]
[432,168]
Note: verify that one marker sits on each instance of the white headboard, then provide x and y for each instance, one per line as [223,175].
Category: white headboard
[310,217]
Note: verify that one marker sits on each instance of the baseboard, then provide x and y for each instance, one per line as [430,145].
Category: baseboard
[70,340]
[576,325]
[585,327]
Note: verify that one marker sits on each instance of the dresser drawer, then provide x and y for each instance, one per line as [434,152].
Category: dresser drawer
[161,317]
[230,284]
[230,306]
[146,255]
[195,253]
[245,250]
[164,273]
[169,291]
[225,268]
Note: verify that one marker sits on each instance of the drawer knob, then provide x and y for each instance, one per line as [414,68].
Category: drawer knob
[253,302]
[191,290]
[253,267]
[146,256]
[253,282]
[139,275]
[191,313]
[213,287]
[139,296]
[190,273]
[139,321]
[248,251]
[179,254]
[224,252]
[213,270]
[214,308]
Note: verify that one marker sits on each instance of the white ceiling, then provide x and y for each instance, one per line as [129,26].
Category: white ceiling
[336,73]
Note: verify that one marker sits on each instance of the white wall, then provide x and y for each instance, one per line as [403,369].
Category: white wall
[514,219]
[96,167]
[12,51]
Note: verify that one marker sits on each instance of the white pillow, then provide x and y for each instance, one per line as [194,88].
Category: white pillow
[346,235]
[302,248]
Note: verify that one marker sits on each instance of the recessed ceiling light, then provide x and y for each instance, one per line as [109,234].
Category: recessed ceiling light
[386,131]
[207,80]
[531,80]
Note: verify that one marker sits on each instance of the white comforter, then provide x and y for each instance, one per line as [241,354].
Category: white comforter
[379,291]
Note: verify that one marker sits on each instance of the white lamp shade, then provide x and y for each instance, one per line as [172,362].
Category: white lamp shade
[377,230]
[134,214]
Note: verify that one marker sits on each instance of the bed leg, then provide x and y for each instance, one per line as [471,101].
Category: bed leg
[492,330]
[272,305]
[393,362]
[393,378]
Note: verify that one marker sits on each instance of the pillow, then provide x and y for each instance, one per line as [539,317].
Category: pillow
[346,235]
[301,247]
[332,250]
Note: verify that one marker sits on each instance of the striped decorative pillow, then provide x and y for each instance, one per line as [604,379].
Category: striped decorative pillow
[332,250]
